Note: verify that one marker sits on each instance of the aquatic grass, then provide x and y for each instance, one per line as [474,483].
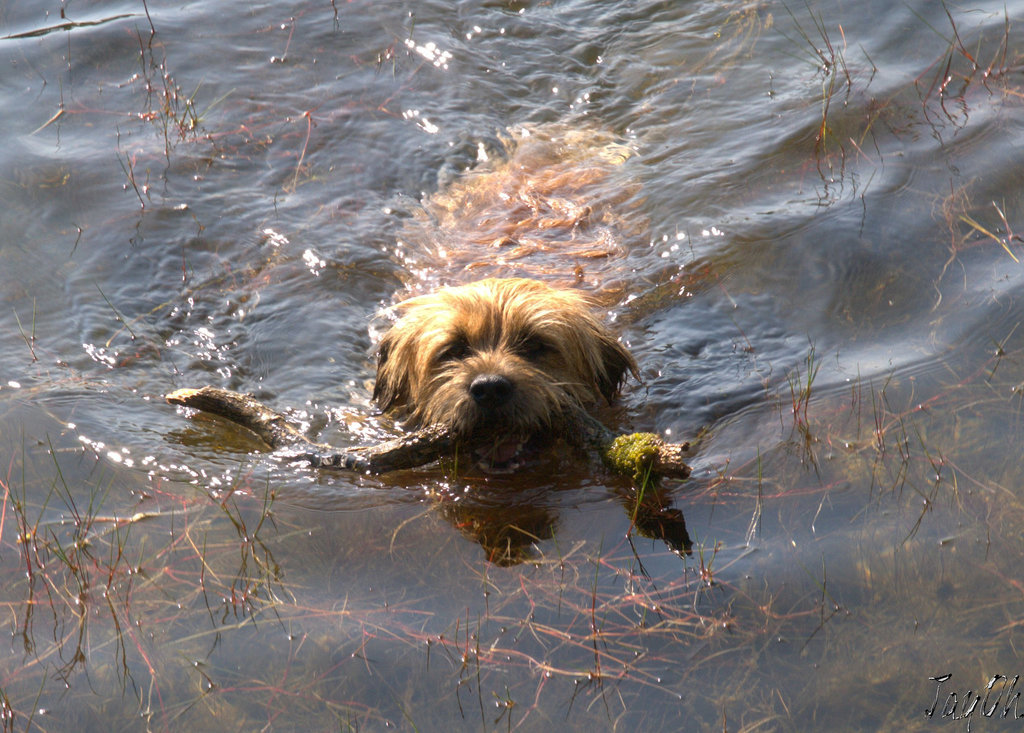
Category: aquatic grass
[824,58]
[250,591]
[957,209]
[28,338]
[607,632]
[85,562]
[593,628]
[951,88]
[998,67]
[801,386]
[941,96]
[628,625]
[253,583]
[704,571]
[170,108]
[302,155]
[1004,240]
[56,563]
[904,450]
[754,528]
[588,625]
[7,717]
[830,61]
[128,166]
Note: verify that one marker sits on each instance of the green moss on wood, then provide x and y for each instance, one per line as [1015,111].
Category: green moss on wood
[633,455]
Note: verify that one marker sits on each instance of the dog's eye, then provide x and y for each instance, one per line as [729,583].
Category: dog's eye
[454,351]
[533,347]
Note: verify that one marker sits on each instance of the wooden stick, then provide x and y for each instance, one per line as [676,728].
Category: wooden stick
[273,428]
[636,454]
[639,455]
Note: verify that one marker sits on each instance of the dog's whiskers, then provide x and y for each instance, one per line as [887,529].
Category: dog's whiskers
[428,378]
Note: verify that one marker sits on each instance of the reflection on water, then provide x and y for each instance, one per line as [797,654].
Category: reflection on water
[818,260]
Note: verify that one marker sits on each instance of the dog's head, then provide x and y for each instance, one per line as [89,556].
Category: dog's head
[496,362]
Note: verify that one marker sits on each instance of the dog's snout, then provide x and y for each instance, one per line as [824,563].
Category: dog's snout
[491,390]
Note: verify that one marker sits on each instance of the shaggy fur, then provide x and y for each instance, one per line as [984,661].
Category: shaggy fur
[495,361]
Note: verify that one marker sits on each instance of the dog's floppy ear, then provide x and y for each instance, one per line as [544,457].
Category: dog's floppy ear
[391,388]
[616,361]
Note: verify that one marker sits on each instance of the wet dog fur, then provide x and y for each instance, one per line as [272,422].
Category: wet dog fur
[495,361]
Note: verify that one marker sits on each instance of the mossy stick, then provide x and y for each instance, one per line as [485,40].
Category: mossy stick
[636,455]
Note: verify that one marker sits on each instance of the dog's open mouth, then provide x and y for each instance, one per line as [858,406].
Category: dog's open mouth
[507,454]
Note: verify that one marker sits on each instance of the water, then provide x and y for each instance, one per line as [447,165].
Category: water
[819,280]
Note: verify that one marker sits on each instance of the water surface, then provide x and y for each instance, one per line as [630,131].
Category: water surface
[820,281]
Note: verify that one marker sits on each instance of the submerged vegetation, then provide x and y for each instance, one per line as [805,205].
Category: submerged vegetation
[193,589]
[588,624]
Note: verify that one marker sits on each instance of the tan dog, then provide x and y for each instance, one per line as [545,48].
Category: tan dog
[495,362]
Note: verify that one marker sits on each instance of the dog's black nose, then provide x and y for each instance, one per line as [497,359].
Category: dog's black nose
[491,390]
